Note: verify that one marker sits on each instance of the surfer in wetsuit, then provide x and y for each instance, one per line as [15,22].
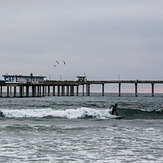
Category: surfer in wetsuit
[114,109]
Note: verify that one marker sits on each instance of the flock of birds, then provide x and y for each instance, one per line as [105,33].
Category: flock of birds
[59,63]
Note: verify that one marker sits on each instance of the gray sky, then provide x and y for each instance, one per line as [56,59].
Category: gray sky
[103,39]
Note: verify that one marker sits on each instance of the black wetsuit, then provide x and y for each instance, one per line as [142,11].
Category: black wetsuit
[114,109]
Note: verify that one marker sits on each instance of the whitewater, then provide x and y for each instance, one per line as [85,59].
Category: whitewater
[81,129]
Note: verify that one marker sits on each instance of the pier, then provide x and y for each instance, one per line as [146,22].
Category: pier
[120,82]
[66,88]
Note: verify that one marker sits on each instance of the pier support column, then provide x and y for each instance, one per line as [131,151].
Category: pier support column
[77,90]
[71,90]
[119,89]
[53,90]
[1,91]
[7,91]
[10,90]
[152,89]
[33,91]
[83,89]
[103,89]
[20,91]
[43,91]
[63,90]
[14,91]
[27,91]
[136,89]
[68,90]
[38,91]
[48,90]
[58,90]
[88,89]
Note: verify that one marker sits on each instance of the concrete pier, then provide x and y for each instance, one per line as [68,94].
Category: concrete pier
[66,88]
[120,82]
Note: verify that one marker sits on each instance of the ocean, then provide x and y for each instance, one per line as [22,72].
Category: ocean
[81,129]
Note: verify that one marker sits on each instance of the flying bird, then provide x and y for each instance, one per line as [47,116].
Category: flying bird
[57,61]
[54,65]
[64,62]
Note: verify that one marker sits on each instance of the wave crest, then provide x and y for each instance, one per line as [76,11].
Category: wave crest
[68,113]
[80,113]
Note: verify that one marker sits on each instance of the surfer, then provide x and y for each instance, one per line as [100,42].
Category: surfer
[114,109]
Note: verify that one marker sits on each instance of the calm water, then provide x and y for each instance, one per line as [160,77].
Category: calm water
[81,129]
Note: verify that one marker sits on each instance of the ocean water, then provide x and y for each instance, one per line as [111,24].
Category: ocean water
[81,129]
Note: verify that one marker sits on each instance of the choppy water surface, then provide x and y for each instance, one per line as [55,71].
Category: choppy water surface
[81,129]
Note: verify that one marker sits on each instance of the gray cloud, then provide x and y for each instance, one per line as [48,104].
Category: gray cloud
[103,39]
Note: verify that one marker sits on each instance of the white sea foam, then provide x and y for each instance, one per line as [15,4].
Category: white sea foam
[82,112]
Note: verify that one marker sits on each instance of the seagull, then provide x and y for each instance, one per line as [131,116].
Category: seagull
[64,62]
[57,61]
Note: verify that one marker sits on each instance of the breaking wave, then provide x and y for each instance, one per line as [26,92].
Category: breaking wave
[82,112]
[69,113]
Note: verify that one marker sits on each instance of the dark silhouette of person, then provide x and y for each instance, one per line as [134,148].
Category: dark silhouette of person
[114,109]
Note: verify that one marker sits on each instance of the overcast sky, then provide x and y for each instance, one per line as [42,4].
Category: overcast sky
[102,39]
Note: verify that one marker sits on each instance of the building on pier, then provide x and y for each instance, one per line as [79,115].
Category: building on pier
[31,79]
[82,79]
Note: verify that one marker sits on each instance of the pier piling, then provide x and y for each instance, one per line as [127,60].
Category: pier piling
[152,89]
[119,89]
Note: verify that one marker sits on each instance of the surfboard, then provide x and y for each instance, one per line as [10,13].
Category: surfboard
[118,117]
